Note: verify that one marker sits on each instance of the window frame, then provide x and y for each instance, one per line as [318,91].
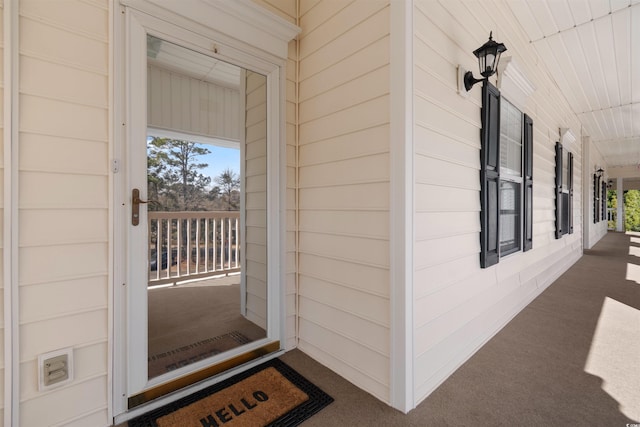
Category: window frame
[507,176]
[491,179]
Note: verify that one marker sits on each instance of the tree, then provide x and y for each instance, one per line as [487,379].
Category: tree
[612,203]
[229,185]
[632,210]
[174,176]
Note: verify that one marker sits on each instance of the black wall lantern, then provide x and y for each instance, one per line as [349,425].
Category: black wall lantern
[488,57]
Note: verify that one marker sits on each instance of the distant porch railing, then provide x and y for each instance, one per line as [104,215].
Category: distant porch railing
[190,245]
[612,217]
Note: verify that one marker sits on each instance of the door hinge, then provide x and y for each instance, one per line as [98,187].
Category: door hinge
[115,165]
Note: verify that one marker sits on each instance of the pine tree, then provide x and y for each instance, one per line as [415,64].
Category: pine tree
[229,185]
[174,176]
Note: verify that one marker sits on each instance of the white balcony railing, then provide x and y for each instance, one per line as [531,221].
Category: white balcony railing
[612,217]
[190,245]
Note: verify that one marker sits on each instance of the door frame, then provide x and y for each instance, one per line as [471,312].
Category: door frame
[239,32]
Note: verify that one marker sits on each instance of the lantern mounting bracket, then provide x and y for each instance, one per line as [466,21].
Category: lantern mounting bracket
[469,80]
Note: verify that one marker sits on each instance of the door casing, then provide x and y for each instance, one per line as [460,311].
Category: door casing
[132,20]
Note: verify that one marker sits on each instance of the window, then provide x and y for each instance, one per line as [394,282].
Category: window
[511,137]
[564,191]
[506,175]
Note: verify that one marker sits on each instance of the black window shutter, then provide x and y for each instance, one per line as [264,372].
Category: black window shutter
[528,183]
[595,198]
[558,190]
[490,176]
[604,201]
[570,184]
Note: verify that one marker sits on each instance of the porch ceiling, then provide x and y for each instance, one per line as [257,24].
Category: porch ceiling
[190,63]
[592,50]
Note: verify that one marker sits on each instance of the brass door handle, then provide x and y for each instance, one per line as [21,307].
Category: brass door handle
[135,206]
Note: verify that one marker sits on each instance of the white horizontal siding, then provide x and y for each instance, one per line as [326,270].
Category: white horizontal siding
[595,231]
[255,193]
[80,329]
[64,202]
[363,278]
[47,153]
[79,398]
[344,190]
[51,300]
[286,9]
[458,305]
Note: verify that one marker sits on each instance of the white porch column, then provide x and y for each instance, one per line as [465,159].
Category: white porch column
[587,195]
[620,197]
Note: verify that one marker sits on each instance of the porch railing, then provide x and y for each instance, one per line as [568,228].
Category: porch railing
[190,245]
[612,217]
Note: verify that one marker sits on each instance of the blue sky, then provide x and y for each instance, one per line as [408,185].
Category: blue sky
[220,159]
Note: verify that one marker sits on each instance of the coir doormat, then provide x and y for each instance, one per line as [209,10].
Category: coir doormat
[272,394]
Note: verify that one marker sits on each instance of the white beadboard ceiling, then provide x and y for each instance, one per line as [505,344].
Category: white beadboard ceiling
[192,64]
[592,50]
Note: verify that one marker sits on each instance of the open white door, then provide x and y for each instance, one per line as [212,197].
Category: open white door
[200,252]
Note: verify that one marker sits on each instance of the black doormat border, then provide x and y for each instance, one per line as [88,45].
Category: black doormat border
[318,399]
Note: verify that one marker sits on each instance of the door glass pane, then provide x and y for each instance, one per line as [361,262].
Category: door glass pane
[207,221]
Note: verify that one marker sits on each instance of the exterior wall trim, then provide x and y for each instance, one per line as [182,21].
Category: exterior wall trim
[249,23]
[11,226]
[401,394]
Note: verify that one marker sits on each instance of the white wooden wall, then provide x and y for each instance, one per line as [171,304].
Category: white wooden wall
[458,306]
[595,160]
[181,103]
[344,189]
[255,193]
[64,205]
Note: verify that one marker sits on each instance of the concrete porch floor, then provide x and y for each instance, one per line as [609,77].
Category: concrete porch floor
[572,357]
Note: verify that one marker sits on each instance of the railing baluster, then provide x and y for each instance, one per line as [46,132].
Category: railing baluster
[179,245]
[158,248]
[215,245]
[220,235]
[229,241]
[237,236]
[188,239]
[206,245]
[169,250]
[197,245]
[222,244]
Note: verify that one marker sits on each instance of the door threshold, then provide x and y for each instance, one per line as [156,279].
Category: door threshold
[161,395]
